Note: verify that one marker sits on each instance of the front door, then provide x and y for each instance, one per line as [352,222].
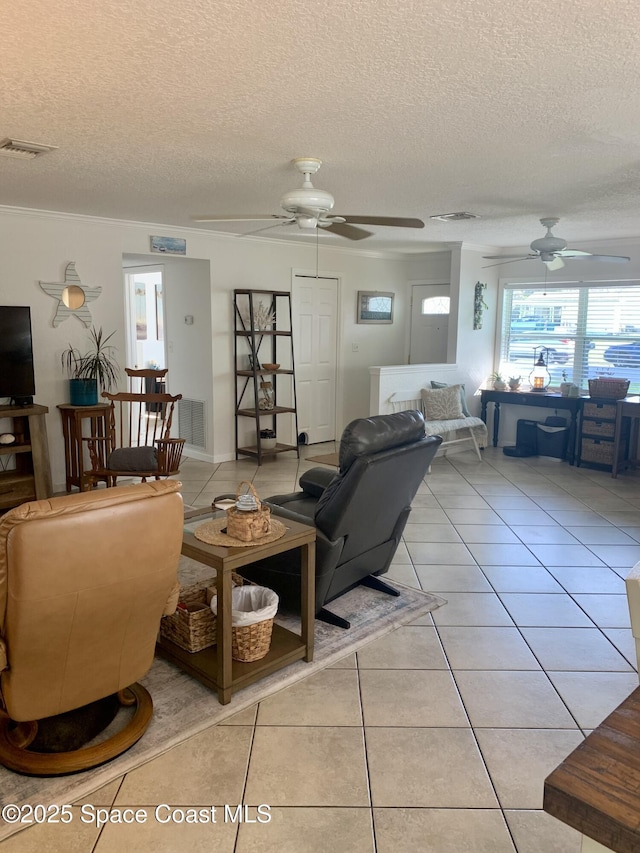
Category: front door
[315,338]
[429,323]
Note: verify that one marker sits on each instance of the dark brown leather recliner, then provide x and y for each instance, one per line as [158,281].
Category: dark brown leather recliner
[359,513]
[84,582]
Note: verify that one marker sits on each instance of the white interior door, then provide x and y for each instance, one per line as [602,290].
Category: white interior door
[315,339]
[429,323]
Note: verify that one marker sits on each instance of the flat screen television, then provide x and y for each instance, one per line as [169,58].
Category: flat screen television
[16,354]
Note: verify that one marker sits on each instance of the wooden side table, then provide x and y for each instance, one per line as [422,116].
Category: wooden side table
[214,666]
[72,430]
[627,410]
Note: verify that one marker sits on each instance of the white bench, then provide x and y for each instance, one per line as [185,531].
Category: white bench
[452,432]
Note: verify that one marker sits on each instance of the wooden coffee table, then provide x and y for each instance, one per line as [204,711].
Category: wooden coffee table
[214,666]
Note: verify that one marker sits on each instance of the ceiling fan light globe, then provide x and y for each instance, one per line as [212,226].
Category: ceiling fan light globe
[305,222]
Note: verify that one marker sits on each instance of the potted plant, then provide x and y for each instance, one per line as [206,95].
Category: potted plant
[97,366]
[268,439]
[498,382]
[514,383]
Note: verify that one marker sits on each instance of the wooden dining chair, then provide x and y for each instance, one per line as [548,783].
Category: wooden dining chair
[138,441]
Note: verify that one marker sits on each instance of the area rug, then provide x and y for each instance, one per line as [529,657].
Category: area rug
[327,459]
[183,707]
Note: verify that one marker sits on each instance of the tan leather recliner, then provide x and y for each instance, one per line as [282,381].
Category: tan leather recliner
[84,582]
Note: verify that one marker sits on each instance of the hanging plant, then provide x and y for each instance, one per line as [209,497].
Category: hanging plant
[479,304]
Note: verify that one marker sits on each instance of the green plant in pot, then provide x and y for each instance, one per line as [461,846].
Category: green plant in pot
[96,367]
[498,381]
[268,438]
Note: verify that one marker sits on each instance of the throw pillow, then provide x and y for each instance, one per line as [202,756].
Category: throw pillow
[441,404]
[463,398]
[133,459]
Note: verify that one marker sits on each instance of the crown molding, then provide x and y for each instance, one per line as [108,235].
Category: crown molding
[187,231]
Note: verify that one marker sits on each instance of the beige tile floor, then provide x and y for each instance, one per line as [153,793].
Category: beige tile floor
[437,737]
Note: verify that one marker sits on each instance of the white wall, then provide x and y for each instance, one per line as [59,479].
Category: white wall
[37,246]
[470,351]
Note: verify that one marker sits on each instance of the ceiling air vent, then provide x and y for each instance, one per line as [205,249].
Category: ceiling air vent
[23,150]
[455,217]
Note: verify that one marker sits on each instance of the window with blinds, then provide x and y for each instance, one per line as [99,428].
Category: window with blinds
[588,331]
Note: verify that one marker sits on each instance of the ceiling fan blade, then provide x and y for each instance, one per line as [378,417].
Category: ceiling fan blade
[391,221]
[343,229]
[504,257]
[512,260]
[233,218]
[267,228]
[614,259]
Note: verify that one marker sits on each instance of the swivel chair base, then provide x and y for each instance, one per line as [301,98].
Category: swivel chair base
[372,582]
[330,618]
[15,738]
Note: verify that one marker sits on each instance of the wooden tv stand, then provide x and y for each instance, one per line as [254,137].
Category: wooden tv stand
[30,480]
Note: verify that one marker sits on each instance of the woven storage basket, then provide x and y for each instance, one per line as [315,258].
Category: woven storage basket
[601,411]
[251,642]
[249,526]
[193,625]
[594,450]
[609,389]
[597,428]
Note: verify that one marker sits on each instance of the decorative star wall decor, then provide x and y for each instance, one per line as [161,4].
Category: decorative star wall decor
[72,296]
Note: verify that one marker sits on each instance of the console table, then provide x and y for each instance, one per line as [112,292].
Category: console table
[532,399]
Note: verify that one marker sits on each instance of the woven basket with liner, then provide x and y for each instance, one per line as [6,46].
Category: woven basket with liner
[608,388]
[251,525]
[257,606]
[193,625]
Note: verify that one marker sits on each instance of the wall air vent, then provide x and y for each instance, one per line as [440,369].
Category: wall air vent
[455,217]
[191,422]
[24,150]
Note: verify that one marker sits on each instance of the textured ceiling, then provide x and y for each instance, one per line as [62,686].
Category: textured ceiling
[161,109]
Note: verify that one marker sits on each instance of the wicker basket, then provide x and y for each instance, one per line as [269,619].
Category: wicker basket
[594,450]
[249,526]
[601,411]
[193,625]
[251,642]
[608,388]
[605,429]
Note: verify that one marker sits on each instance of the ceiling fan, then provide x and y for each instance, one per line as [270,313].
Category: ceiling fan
[310,208]
[553,252]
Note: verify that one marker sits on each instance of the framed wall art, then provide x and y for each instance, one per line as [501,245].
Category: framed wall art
[375,306]
[169,245]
